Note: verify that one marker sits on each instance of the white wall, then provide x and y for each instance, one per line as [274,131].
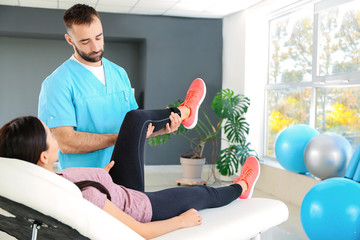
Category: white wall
[245,54]
[244,67]
[234,52]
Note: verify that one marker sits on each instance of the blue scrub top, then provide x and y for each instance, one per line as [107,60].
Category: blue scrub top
[73,96]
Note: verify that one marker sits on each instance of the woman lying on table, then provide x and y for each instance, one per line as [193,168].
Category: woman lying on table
[150,214]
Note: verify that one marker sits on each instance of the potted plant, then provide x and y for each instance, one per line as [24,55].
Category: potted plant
[230,109]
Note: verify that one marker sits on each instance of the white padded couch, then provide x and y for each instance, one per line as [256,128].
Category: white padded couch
[30,193]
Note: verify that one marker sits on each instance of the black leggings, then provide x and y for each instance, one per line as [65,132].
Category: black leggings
[128,153]
[171,202]
[128,170]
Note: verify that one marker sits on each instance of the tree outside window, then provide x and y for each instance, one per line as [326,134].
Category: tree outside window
[322,72]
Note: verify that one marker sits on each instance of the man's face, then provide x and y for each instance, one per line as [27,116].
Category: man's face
[88,41]
[91,56]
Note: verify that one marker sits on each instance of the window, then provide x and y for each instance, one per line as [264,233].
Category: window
[314,70]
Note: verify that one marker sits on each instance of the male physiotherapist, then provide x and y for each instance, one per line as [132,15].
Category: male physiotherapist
[85,100]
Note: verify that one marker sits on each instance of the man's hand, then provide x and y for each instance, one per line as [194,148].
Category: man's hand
[109,166]
[175,121]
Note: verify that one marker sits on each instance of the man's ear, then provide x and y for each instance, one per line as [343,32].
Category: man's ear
[68,39]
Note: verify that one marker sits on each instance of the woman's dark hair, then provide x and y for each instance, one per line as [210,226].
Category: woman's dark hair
[79,14]
[23,138]
[98,186]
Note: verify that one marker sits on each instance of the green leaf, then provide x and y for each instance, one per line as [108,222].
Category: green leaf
[180,130]
[175,104]
[236,129]
[159,139]
[228,105]
[230,158]
[227,163]
[244,151]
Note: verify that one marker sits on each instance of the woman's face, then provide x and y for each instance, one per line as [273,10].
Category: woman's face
[52,151]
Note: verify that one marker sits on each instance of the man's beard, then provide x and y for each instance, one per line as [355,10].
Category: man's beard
[88,58]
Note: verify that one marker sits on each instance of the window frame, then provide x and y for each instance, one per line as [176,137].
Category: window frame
[348,79]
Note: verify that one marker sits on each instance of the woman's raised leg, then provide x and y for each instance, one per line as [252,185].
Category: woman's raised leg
[128,153]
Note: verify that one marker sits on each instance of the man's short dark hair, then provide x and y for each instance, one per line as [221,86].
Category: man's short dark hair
[79,14]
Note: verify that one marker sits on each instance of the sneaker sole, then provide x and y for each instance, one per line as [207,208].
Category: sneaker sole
[197,109]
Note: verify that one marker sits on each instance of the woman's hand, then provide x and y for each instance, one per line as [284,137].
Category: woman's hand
[154,229]
[150,130]
[190,218]
[109,166]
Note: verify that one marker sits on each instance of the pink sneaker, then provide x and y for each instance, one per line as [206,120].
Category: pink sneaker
[194,97]
[250,173]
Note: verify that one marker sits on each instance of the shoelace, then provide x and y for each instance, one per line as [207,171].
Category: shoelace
[247,173]
[190,96]
[243,175]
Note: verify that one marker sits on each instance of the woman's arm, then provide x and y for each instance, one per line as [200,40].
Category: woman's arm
[154,229]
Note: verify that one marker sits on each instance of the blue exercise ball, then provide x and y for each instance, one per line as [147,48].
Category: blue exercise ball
[327,155]
[290,145]
[331,210]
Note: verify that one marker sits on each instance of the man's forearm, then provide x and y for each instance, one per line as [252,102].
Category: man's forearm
[84,142]
[74,142]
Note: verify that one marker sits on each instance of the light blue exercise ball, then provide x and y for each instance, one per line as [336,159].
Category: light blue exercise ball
[331,210]
[327,155]
[290,145]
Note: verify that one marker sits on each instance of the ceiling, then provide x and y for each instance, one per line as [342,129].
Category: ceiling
[179,8]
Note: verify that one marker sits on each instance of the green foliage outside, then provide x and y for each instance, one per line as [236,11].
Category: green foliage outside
[291,54]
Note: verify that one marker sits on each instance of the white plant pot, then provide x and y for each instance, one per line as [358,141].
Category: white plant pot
[192,169]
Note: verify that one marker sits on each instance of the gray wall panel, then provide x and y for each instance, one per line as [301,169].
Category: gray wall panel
[167,53]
